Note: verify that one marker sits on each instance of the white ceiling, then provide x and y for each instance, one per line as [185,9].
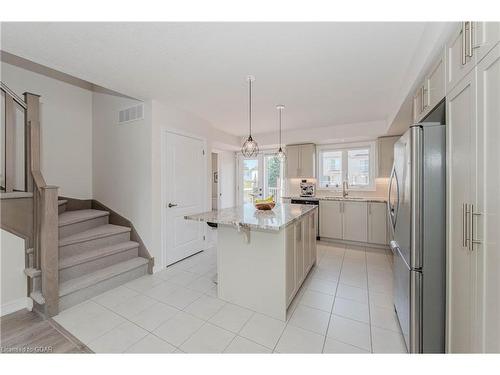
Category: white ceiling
[324,73]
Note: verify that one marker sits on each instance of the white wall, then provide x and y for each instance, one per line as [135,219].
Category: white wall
[171,118]
[127,161]
[66,129]
[122,162]
[13,280]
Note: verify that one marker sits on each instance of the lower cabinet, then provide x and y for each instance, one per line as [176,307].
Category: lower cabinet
[330,219]
[377,223]
[353,221]
[300,240]
[299,249]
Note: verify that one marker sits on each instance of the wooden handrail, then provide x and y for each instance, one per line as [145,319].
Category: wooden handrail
[44,226]
[45,210]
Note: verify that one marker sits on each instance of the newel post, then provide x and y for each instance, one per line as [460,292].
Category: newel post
[49,249]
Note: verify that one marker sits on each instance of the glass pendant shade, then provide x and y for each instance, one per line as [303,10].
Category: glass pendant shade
[250,148]
[281,154]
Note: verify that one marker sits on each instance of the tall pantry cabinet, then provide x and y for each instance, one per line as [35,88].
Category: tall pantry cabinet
[473,121]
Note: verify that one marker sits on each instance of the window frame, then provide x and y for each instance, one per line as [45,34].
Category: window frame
[345,148]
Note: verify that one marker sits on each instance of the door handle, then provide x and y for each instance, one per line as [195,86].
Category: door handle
[170,205]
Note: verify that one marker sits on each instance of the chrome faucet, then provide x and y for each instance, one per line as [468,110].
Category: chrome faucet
[345,188]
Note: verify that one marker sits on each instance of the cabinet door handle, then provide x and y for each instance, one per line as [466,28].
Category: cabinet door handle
[425,95]
[472,240]
[464,227]
[422,107]
[464,44]
[471,38]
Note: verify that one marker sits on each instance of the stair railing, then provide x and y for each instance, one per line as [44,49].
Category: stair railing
[44,255]
[45,207]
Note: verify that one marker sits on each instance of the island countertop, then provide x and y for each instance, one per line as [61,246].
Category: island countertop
[248,216]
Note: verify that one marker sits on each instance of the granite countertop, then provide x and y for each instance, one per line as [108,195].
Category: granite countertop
[248,216]
[339,198]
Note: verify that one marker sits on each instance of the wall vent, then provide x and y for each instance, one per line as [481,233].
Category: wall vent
[131,114]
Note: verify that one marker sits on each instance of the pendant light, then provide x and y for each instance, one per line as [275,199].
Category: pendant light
[280,154]
[250,148]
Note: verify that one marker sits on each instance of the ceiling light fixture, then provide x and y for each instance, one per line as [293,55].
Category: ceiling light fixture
[280,154]
[250,148]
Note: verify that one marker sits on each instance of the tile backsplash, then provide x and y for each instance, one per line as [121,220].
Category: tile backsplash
[381,189]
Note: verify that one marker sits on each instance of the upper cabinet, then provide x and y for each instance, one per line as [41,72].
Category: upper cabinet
[386,155]
[300,160]
[469,45]
[431,91]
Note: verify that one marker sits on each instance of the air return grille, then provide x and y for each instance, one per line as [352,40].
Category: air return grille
[131,114]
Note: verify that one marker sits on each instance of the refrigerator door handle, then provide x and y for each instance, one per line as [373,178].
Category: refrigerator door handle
[393,209]
[416,256]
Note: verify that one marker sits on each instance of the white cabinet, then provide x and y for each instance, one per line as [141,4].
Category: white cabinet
[473,301]
[377,223]
[386,155]
[485,35]
[300,249]
[292,161]
[286,200]
[290,262]
[330,219]
[488,201]
[461,113]
[459,59]
[312,238]
[300,160]
[435,82]
[355,223]
[418,103]
[431,91]
[469,45]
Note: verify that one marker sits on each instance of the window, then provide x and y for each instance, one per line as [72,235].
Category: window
[354,162]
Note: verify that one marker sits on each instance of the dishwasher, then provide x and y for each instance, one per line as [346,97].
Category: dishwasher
[310,201]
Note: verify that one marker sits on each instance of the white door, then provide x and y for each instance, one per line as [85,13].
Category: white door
[461,121]
[185,189]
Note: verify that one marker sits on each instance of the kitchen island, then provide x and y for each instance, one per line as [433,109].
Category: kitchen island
[263,257]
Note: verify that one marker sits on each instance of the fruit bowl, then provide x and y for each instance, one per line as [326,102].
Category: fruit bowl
[265,206]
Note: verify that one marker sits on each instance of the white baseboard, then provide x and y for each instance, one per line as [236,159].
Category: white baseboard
[16,305]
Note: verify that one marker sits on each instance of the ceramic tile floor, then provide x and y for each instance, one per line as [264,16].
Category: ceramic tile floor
[344,306]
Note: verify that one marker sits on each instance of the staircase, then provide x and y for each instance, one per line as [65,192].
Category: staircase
[94,256]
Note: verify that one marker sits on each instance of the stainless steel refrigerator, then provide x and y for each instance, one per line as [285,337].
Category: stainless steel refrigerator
[417,212]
